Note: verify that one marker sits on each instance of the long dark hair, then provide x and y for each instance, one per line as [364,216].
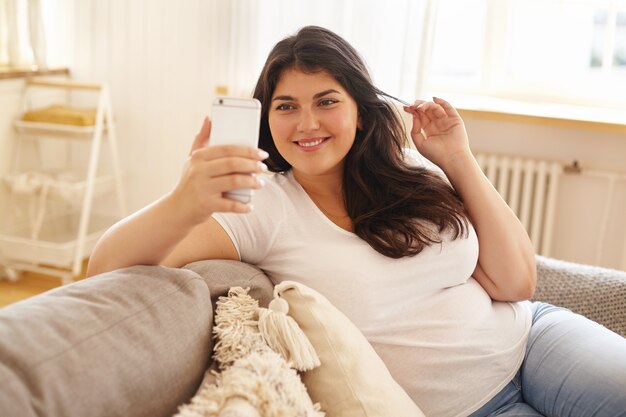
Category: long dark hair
[398,209]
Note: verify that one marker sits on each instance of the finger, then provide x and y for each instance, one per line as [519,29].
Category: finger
[202,138]
[224,151]
[413,107]
[225,166]
[410,110]
[451,111]
[434,110]
[417,133]
[227,205]
[231,182]
[417,120]
[418,138]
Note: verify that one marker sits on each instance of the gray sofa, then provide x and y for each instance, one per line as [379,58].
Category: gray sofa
[136,342]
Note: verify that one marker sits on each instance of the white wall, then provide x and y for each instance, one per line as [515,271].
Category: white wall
[582,201]
[160,60]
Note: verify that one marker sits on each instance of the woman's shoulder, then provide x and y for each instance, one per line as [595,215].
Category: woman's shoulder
[414,158]
[277,182]
[277,187]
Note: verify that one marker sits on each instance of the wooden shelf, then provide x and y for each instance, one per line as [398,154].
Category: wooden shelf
[25,72]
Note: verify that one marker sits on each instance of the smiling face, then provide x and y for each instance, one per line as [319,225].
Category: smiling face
[313,121]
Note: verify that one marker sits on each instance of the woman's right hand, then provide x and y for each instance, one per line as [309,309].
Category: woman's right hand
[211,171]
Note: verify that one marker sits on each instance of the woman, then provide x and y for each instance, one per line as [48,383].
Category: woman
[421,254]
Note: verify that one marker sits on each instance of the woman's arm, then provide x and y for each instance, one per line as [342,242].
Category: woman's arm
[506,260]
[178,228]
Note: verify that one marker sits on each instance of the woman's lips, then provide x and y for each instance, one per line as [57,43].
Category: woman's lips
[311,144]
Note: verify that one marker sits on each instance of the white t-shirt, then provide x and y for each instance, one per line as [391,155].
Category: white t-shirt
[441,336]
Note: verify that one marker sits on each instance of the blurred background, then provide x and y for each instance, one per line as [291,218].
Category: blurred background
[541,86]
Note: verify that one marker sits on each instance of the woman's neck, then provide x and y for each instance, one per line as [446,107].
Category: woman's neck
[326,193]
[326,186]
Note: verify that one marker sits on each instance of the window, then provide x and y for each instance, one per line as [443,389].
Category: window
[36,35]
[609,40]
[561,50]
[21,34]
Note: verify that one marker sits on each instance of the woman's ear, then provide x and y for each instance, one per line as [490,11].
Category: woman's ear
[359,124]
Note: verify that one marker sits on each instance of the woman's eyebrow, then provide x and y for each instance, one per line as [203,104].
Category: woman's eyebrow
[317,95]
[284,98]
[323,93]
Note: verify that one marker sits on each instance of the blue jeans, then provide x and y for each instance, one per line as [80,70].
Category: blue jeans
[573,368]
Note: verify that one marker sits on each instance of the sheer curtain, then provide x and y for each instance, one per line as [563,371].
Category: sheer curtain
[394,37]
[234,33]
[22,40]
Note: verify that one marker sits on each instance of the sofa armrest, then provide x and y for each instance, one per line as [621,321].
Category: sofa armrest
[132,342]
[597,293]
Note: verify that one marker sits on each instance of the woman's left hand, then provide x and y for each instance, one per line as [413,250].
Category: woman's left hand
[438,131]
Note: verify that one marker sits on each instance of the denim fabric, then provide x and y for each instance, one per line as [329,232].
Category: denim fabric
[573,367]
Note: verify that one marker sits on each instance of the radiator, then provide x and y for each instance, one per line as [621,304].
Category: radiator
[529,186]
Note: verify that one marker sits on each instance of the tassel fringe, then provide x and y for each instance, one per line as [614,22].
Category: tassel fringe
[255,380]
[284,336]
[236,327]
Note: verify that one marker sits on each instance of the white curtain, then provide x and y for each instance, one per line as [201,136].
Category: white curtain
[22,40]
[394,37]
[235,33]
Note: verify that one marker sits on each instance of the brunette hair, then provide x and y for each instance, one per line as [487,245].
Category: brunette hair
[398,209]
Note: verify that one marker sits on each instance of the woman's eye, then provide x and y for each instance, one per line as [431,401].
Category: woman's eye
[328,102]
[284,106]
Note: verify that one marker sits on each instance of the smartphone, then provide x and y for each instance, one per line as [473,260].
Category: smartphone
[236,121]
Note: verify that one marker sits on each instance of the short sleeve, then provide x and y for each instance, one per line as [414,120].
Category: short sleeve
[254,233]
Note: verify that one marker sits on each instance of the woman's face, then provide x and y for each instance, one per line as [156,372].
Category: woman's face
[313,121]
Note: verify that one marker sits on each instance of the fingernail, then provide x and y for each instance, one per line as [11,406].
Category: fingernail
[261,181]
[263,154]
[249,207]
[261,166]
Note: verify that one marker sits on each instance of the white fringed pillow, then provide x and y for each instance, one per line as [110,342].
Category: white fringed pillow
[352,381]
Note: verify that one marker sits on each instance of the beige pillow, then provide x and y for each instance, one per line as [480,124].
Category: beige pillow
[352,380]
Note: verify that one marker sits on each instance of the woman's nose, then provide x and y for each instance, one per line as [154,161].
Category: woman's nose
[308,121]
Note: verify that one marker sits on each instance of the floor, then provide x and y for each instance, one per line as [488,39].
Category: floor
[28,285]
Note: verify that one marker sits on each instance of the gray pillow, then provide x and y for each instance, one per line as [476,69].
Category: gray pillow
[132,342]
[220,275]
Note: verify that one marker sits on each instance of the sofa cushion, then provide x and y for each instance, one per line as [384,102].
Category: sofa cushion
[221,275]
[132,342]
[352,381]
